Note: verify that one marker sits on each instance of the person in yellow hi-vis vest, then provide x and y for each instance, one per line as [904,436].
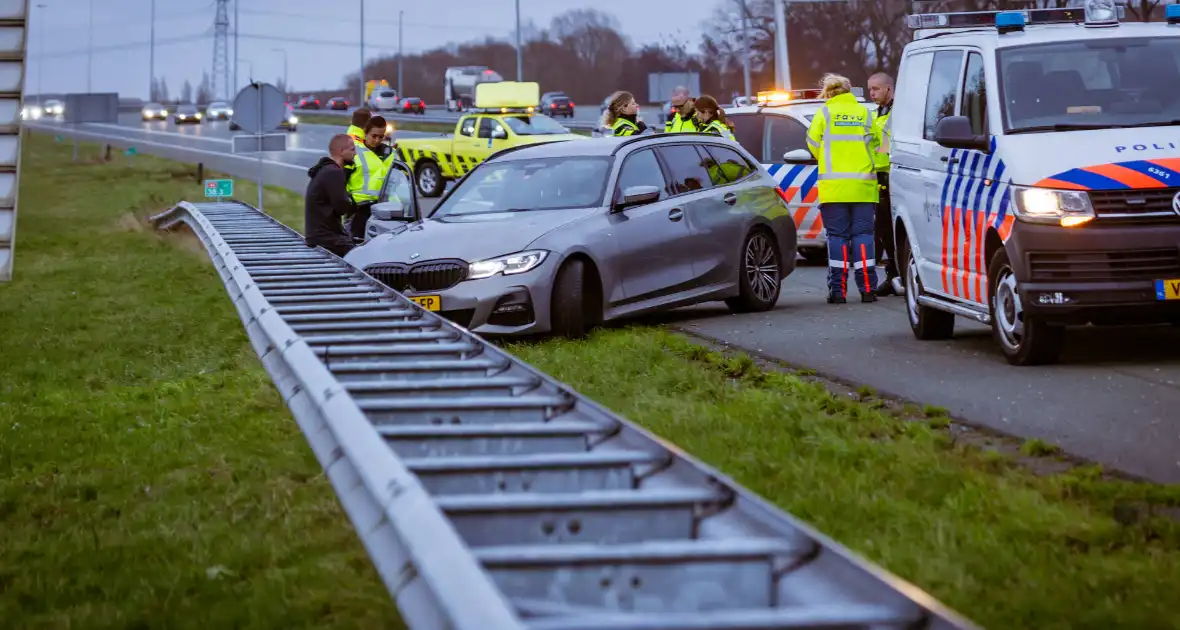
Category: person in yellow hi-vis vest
[683,112]
[881,91]
[366,176]
[622,115]
[841,137]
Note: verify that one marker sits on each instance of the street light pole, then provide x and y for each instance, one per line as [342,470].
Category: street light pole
[286,88]
[90,48]
[236,29]
[519,67]
[41,62]
[362,85]
[400,15]
[746,48]
[152,56]
[783,67]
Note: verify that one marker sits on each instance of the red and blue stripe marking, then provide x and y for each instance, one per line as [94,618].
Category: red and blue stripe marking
[1159,173]
[974,198]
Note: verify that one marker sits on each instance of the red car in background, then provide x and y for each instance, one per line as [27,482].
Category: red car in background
[338,102]
[309,102]
[413,105]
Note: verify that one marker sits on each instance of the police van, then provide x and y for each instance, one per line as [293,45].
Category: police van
[774,130]
[1035,176]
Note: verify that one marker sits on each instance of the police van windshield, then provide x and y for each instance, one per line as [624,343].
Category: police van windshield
[529,185]
[533,125]
[1091,84]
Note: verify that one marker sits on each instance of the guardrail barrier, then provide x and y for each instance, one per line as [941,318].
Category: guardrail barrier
[491,497]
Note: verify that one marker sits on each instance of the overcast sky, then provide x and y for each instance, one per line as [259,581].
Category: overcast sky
[320,37]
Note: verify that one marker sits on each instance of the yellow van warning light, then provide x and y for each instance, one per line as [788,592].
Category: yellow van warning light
[508,96]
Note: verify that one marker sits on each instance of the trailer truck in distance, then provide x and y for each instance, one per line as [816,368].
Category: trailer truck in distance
[459,85]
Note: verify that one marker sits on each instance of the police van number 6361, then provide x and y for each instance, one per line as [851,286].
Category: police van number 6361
[1035,173]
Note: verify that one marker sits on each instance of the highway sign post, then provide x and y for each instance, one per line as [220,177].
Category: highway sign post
[259,108]
[219,188]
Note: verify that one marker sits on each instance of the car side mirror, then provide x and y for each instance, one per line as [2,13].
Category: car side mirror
[401,210]
[799,156]
[637,196]
[955,132]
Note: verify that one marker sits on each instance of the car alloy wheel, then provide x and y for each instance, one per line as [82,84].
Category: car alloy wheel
[761,267]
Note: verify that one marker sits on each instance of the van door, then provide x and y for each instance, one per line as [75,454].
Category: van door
[941,171]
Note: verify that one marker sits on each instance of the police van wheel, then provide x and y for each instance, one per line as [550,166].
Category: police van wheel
[926,322]
[1024,340]
[759,274]
[567,312]
[429,179]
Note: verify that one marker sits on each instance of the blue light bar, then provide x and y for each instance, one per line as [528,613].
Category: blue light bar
[985,19]
[1010,21]
[1172,13]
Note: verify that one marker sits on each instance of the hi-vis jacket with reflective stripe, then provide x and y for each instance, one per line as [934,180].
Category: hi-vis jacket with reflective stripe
[624,127]
[716,127]
[676,124]
[366,176]
[879,145]
[840,138]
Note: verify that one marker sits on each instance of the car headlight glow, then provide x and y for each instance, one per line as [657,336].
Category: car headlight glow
[1043,205]
[293,120]
[509,265]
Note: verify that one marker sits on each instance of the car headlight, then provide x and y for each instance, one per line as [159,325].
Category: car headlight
[509,265]
[293,120]
[1043,205]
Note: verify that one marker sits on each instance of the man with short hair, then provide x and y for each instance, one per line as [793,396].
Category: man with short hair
[881,92]
[326,202]
[682,112]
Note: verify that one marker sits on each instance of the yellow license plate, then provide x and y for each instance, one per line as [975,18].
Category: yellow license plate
[1167,289]
[428,302]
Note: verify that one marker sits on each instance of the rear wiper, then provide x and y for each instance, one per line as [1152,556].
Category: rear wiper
[1060,127]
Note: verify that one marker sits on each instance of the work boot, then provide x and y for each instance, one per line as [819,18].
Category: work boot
[898,286]
[868,297]
[886,288]
[837,299]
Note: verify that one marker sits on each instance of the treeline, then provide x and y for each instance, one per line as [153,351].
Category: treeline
[584,53]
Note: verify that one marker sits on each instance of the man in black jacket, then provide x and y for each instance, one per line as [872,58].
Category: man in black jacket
[326,202]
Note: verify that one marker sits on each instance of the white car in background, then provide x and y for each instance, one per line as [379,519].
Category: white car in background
[54,107]
[219,110]
[384,100]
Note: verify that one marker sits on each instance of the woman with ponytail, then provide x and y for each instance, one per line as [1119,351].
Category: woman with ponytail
[622,115]
[711,118]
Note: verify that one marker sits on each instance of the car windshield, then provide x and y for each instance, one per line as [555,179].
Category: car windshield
[187,109]
[528,186]
[1093,84]
[388,94]
[218,105]
[533,125]
[153,106]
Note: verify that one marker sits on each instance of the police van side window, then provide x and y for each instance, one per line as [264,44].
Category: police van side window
[748,131]
[908,121]
[640,169]
[944,86]
[468,127]
[974,101]
[786,134]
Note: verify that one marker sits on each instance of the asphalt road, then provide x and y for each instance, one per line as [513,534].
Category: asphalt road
[1114,398]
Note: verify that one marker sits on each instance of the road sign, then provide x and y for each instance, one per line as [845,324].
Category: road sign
[219,188]
[253,144]
[259,108]
[129,151]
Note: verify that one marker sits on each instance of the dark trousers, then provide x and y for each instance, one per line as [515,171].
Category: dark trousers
[884,228]
[850,246]
[359,219]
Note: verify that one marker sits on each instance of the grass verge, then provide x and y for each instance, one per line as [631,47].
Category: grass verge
[399,123]
[150,476]
[1005,547]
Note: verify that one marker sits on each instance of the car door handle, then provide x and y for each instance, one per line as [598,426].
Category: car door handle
[730,198]
[949,160]
[675,214]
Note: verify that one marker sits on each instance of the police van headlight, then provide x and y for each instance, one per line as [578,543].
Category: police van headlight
[507,265]
[1043,205]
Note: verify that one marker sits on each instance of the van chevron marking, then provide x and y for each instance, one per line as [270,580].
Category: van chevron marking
[1132,174]
[968,215]
[798,183]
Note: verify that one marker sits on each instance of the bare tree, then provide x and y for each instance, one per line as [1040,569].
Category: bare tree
[204,89]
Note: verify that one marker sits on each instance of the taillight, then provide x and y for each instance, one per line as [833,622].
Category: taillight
[571,103]
[552,105]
